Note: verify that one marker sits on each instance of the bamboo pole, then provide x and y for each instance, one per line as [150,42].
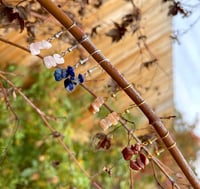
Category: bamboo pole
[154,120]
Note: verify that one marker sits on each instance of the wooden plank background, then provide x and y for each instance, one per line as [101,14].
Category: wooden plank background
[154,83]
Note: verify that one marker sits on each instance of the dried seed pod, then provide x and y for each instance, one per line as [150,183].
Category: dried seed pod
[144,159]
[136,148]
[133,165]
[101,141]
[127,153]
[139,162]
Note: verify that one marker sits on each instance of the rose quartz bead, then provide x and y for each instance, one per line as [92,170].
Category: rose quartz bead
[59,59]
[105,124]
[44,44]
[34,48]
[49,61]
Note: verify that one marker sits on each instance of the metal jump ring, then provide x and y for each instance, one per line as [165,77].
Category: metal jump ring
[96,51]
[166,135]
[141,103]
[172,146]
[128,86]
[84,38]
[104,60]
[70,27]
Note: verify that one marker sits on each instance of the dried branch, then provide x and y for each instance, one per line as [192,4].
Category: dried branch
[52,130]
[5,94]
[18,46]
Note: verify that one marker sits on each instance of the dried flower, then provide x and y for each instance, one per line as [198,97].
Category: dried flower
[144,159]
[136,148]
[102,141]
[140,162]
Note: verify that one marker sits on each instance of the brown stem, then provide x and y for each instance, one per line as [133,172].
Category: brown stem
[6,99]
[18,46]
[154,120]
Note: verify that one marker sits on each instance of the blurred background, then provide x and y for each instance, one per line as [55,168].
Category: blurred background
[147,41]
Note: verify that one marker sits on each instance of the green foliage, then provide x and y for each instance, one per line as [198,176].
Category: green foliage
[29,162]
[34,158]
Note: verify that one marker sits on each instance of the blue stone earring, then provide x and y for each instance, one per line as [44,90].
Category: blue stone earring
[71,81]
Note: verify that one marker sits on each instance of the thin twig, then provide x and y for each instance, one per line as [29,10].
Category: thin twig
[155,175]
[60,140]
[18,46]
[15,127]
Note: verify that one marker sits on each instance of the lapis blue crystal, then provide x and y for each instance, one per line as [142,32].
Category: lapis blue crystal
[64,73]
[58,74]
[68,85]
[71,80]
[81,78]
[70,71]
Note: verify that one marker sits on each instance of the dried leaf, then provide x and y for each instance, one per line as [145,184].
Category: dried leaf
[98,3]
[8,15]
[117,32]
[94,30]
